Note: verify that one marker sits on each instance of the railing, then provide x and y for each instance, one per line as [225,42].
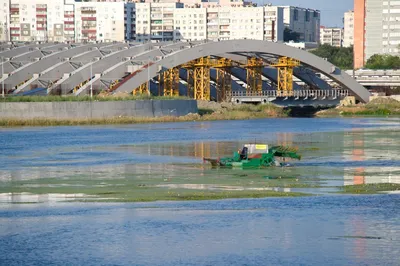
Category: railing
[296,93]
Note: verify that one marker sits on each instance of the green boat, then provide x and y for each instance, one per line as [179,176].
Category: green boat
[256,156]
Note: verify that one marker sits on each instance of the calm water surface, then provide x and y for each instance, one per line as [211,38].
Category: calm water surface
[329,229]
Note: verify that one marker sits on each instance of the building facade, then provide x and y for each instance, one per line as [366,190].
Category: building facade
[331,36]
[376,29]
[149,20]
[348,29]
[304,21]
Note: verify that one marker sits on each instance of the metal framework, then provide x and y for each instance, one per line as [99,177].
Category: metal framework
[190,83]
[142,89]
[169,82]
[285,67]
[224,78]
[254,74]
[201,77]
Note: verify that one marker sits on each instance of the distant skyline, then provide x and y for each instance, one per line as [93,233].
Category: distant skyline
[331,11]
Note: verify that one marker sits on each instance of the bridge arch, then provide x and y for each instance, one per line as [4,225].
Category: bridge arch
[249,48]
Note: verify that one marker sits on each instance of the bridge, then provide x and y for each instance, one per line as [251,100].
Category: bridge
[202,69]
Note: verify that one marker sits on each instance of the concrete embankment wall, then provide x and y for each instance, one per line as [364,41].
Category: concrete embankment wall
[96,109]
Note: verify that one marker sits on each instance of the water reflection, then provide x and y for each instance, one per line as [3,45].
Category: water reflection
[360,155]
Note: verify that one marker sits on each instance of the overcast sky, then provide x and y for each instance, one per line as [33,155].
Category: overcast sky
[331,11]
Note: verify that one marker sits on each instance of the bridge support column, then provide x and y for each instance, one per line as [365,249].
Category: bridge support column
[190,83]
[201,74]
[285,67]
[224,79]
[254,72]
[142,89]
[169,81]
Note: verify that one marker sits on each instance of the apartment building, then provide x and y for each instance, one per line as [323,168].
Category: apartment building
[331,36]
[99,21]
[376,29]
[304,21]
[213,23]
[191,24]
[348,30]
[155,21]
[4,19]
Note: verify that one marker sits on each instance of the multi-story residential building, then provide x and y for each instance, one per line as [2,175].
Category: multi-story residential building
[213,23]
[155,21]
[4,20]
[348,30]
[376,29]
[99,21]
[118,20]
[190,23]
[273,23]
[304,21]
[331,36]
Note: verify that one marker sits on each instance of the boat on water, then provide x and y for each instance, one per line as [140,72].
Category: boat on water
[256,156]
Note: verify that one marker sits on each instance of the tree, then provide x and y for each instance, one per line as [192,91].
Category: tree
[289,35]
[383,61]
[341,57]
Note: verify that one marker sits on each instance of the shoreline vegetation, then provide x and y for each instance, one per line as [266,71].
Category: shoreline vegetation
[208,111]
[376,107]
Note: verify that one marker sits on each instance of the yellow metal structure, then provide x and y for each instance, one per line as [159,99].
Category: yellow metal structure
[190,83]
[254,74]
[169,82]
[224,79]
[201,77]
[142,89]
[285,67]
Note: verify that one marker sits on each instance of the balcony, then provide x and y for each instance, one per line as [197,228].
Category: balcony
[41,15]
[88,18]
[41,9]
[14,9]
[41,28]
[14,28]
[69,15]
[69,22]
[69,29]
[89,31]
[14,34]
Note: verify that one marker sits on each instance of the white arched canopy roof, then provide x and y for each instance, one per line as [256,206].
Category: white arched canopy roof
[250,47]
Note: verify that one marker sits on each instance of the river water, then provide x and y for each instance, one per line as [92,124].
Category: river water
[41,166]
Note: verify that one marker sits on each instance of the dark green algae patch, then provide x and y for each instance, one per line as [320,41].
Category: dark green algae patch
[369,188]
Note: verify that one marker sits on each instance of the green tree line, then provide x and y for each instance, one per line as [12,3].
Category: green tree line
[383,61]
[341,57]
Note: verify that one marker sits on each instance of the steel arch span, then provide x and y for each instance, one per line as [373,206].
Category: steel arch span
[248,48]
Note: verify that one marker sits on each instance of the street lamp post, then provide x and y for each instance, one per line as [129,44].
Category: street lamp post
[148,76]
[91,81]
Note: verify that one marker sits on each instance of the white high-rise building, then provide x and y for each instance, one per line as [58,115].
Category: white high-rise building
[99,21]
[155,21]
[4,20]
[348,30]
[331,36]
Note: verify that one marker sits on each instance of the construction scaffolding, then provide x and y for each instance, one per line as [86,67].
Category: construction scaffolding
[254,74]
[285,67]
[142,89]
[169,82]
[224,78]
[201,77]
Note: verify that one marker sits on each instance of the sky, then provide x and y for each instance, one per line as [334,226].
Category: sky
[331,11]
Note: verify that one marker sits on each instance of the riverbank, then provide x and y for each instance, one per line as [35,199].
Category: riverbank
[207,111]
[376,107]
